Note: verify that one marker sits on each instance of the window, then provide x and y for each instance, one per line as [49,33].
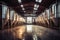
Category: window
[7,14]
[14,16]
[4,11]
[48,13]
[33,19]
[29,19]
[18,17]
[55,11]
[11,14]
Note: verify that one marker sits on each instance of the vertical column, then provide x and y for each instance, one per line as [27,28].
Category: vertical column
[58,13]
[0,16]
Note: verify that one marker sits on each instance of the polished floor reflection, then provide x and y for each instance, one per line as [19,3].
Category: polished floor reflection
[35,33]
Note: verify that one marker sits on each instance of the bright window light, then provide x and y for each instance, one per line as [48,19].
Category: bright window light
[7,14]
[11,14]
[21,5]
[55,11]
[19,1]
[14,16]
[29,19]
[48,13]
[29,28]
[4,10]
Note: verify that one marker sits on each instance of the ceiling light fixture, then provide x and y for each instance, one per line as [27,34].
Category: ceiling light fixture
[19,1]
[35,5]
[21,5]
[36,0]
[39,1]
[23,9]
[35,8]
